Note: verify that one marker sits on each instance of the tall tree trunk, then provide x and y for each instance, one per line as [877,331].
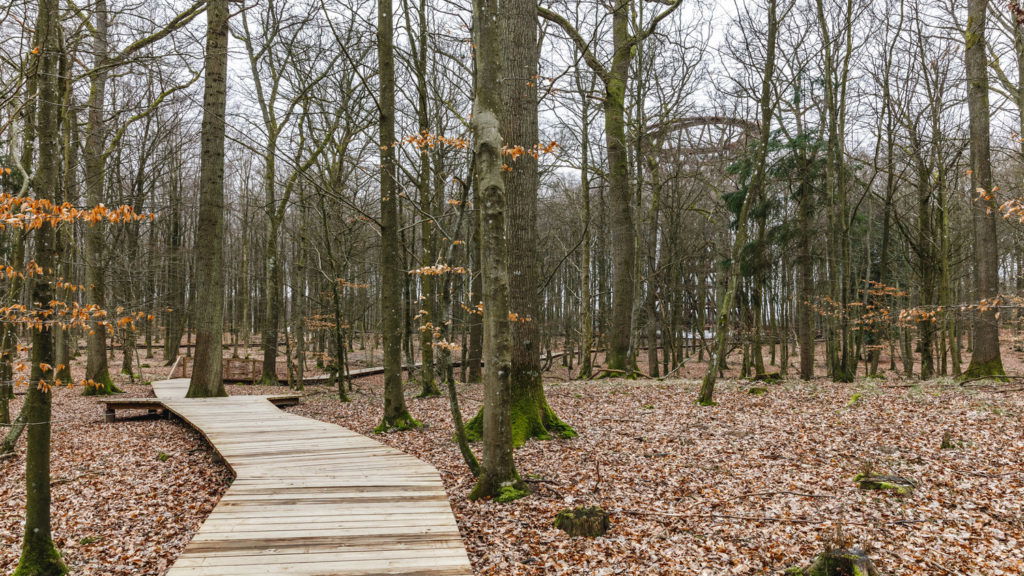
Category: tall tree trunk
[651,304]
[707,388]
[842,364]
[39,555]
[498,477]
[985,358]
[64,338]
[428,313]
[272,272]
[927,265]
[620,193]
[97,370]
[532,417]
[396,416]
[586,297]
[175,277]
[207,379]
[8,332]
[474,352]
[805,271]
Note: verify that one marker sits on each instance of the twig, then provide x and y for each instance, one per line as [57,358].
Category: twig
[542,481]
[768,518]
[789,492]
[724,516]
[627,373]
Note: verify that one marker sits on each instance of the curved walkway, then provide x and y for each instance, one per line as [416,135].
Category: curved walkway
[312,498]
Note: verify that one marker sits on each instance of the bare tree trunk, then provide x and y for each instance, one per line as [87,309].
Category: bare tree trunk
[474,352]
[586,297]
[64,338]
[985,358]
[428,312]
[396,416]
[651,304]
[175,282]
[207,380]
[97,370]
[39,555]
[620,192]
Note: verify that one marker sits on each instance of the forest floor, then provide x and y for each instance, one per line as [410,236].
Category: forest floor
[751,486]
[127,497]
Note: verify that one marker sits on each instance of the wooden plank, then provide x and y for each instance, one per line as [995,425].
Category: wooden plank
[311,498]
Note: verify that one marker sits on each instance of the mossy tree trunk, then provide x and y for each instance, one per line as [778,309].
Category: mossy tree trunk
[531,416]
[720,349]
[498,472]
[39,555]
[207,376]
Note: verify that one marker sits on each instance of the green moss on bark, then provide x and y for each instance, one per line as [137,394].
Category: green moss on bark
[487,487]
[532,419]
[991,369]
[267,380]
[510,492]
[429,389]
[403,421]
[104,387]
[768,378]
[589,522]
[39,559]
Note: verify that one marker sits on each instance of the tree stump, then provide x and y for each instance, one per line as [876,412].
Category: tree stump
[768,378]
[590,522]
[897,484]
[838,562]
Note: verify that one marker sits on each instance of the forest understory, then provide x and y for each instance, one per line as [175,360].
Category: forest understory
[752,486]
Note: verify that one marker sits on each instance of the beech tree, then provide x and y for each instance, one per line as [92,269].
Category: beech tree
[207,374]
[986,359]
[396,416]
[615,78]
[498,476]
[39,555]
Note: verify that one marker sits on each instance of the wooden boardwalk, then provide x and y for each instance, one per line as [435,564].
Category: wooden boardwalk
[313,499]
